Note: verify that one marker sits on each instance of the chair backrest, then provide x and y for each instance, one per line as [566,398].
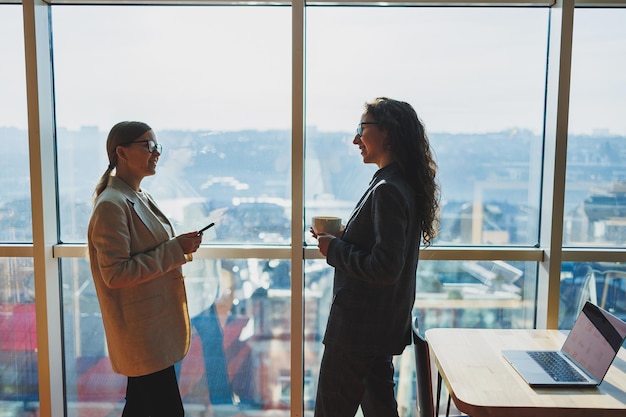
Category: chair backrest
[425,401]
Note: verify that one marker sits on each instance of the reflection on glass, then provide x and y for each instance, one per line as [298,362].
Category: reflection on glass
[239,357]
[239,180]
[602,283]
[474,294]
[221,112]
[478,294]
[15,207]
[595,191]
[19,389]
[480,96]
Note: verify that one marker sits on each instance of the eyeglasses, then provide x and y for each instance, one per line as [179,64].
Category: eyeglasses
[359,128]
[151,145]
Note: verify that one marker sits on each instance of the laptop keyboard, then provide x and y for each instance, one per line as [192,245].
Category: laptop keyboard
[557,367]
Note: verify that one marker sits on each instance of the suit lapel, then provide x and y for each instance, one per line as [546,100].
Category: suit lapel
[145,213]
[379,177]
[360,204]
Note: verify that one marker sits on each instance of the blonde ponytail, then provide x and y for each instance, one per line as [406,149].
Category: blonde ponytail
[102,183]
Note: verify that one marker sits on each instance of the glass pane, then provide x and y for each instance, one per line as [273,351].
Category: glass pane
[595,190]
[239,359]
[213,82]
[602,283]
[19,383]
[488,294]
[475,76]
[478,294]
[15,210]
[196,182]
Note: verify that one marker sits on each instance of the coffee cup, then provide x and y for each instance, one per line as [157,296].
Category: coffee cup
[326,224]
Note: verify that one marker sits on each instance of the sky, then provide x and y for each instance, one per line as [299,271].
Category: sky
[217,68]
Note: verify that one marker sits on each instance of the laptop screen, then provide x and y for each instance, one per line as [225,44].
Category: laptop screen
[595,339]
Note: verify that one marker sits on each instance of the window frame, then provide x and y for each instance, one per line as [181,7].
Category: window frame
[46,249]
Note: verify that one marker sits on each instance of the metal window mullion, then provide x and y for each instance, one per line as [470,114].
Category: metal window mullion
[13,250]
[297,207]
[436,3]
[434,253]
[554,162]
[37,40]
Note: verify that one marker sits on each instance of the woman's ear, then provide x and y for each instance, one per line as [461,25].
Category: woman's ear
[386,141]
[120,151]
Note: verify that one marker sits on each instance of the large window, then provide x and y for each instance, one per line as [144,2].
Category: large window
[240,346]
[256,107]
[595,194]
[18,333]
[475,76]
[595,209]
[214,83]
[481,98]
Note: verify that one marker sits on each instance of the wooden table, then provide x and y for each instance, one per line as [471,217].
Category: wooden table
[482,383]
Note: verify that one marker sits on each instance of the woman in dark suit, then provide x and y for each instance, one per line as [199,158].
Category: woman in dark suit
[136,263]
[375,260]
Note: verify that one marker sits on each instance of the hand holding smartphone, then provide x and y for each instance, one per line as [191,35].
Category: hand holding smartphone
[205,228]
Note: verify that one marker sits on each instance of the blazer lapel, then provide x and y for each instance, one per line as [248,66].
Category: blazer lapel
[145,214]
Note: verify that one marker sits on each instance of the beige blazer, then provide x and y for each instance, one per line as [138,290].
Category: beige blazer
[136,268]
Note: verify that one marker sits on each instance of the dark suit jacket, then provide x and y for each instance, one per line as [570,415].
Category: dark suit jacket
[375,265]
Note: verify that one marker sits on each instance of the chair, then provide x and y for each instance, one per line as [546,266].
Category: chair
[426,406]
[610,277]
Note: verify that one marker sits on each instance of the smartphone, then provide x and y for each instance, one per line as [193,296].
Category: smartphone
[205,228]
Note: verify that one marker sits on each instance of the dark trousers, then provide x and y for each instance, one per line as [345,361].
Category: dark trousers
[348,380]
[154,395]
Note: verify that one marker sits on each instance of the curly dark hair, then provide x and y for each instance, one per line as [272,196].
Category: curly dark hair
[410,146]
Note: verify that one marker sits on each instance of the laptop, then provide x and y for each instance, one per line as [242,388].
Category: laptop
[585,357]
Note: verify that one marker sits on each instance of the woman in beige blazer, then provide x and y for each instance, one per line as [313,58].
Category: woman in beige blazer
[136,263]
